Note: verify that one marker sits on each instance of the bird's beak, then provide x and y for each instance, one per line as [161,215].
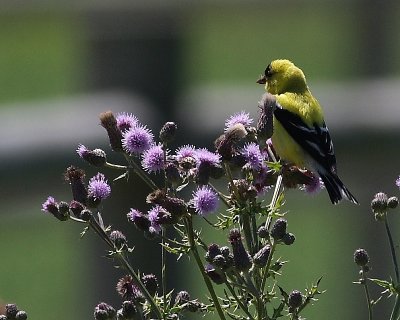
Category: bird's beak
[262,80]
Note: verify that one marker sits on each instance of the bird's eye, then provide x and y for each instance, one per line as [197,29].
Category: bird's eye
[268,71]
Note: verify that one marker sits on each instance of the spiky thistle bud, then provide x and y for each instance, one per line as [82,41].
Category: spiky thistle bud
[167,132]
[104,311]
[393,202]
[242,259]
[182,297]
[288,239]
[128,310]
[150,282]
[109,122]
[379,205]
[278,229]
[263,232]
[361,257]
[11,310]
[260,259]
[217,276]
[76,208]
[21,315]
[119,239]
[75,177]
[96,157]
[295,299]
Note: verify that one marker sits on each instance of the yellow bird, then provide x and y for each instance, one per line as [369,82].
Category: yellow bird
[300,133]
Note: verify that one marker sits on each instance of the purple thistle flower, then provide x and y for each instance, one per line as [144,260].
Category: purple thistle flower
[315,185]
[253,156]
[153,215]
[204,156]
[82,151]
[239,117]
[125,121]
[398,182]
[98,187]
[137,139]
[185,152]
[139,219]
[205,200]
[50,205]
[96,157]
[153,159]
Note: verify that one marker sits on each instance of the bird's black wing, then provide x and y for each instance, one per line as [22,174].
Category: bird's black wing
[315,140]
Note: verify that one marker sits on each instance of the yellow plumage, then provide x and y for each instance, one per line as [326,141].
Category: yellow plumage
[300,134]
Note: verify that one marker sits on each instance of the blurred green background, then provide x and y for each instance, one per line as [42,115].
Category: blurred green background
[196,63]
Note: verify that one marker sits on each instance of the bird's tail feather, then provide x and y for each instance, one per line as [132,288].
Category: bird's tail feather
[335,187]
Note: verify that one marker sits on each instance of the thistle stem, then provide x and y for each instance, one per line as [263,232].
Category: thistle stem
[163,272]
[104,236]
[275,196]
[396,308]
[141,174]
[239,302]
[367,295]
[393,251]
[115,166]
[190,233]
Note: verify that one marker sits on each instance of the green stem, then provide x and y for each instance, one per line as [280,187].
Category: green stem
[163,273]
[245,218]
[266,270]
[190,233]
[141,174]
[235,190]
[396,308]
[274,200]
[115,166]
[104,236]
[239,302]
[392,250]
[367,295]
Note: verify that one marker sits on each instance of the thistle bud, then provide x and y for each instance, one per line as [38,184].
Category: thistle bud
[21,315]
[86,215]
[215,275]
[76,208]
[11,310]
[172,174]
[260,259]
[379,203]
[361,257]
[167,132]
[139,219]
[242,259]
[295,299]
[150,282]
[393,202]
[278,229]
[263,232]
[109,122]
[288,239]
[128,310]
[182,297]
[75,178]
[119,239]
[96,157]
[104,311]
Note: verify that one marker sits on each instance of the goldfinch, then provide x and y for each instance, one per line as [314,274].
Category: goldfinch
[300,135]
